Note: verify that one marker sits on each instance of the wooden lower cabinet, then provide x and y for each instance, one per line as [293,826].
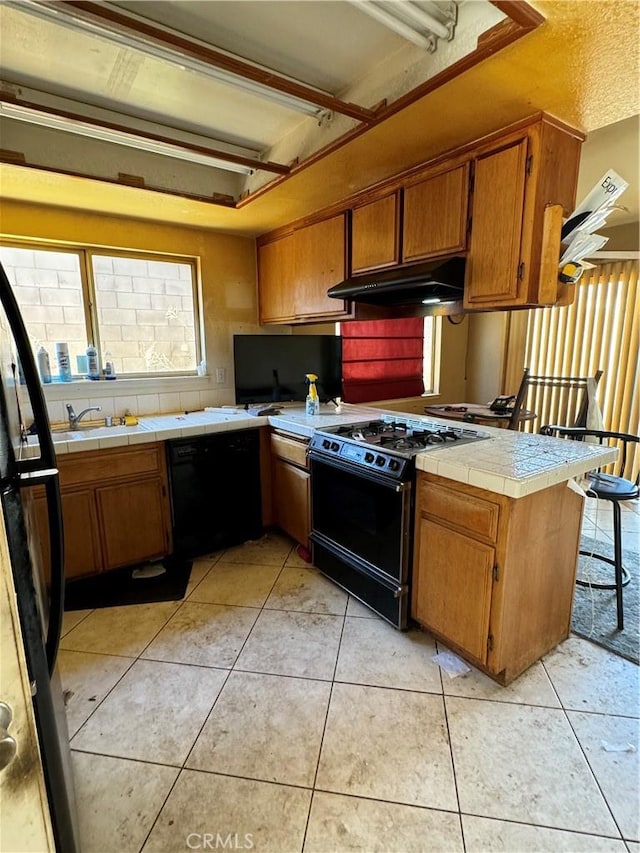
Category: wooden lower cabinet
[82,555]
[132,522]
[455,592]
[291,487]
[115,509]
[493,577]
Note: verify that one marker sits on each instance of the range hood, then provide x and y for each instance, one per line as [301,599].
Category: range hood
[434,283]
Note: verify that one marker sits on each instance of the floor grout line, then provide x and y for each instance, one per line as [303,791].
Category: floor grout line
[313,788]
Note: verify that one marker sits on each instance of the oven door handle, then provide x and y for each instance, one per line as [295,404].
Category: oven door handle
[380,480]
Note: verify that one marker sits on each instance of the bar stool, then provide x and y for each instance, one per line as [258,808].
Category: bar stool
[608,487]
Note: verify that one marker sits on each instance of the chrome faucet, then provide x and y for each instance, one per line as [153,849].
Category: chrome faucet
[74,419]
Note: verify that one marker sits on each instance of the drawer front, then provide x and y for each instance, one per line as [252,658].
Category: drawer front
[290,450]
[459,509]
[103,465]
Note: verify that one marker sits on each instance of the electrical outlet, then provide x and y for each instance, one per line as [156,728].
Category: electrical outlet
[220,371]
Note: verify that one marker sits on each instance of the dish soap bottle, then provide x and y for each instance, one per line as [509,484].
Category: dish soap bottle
[109,368]
[64,363]
[92,363]
[44,365]
[313,401]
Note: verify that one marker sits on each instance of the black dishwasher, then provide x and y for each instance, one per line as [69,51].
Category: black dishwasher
[215,491]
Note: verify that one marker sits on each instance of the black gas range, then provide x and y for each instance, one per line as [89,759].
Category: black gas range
[362,504]
[388,446]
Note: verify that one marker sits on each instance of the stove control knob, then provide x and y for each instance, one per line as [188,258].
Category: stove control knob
[393,464]
[326,444]
[335,446]
[380,460]
[369,457]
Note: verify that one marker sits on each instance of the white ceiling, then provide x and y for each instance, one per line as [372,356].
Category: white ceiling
[327,44]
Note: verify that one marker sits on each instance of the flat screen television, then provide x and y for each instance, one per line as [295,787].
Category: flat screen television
[272,368]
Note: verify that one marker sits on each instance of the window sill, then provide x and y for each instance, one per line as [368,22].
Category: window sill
[83,388]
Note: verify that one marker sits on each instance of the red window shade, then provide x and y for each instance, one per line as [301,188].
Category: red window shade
[382,359]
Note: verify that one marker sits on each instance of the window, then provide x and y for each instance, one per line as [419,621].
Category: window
[431,354]
[386,359]
[139,311]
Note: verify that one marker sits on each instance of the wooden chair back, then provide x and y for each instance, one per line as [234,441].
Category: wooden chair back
[514,421]
[568,403]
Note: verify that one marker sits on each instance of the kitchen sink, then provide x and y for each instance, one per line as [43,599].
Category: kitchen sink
[87,426]
[95,432]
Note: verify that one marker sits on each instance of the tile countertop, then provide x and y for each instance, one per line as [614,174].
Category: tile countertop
[509,463]
[181,425]
[514,463]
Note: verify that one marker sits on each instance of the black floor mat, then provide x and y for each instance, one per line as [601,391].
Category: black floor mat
[119,587]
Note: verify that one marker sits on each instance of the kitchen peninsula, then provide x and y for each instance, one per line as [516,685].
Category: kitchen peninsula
[497,524]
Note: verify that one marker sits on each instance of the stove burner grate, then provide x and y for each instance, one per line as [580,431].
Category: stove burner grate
[417,440]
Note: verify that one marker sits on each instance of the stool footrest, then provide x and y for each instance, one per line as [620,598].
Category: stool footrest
[626,577]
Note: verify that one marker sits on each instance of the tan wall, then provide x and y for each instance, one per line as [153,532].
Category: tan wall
[486,355]
[622,238]
[227,270]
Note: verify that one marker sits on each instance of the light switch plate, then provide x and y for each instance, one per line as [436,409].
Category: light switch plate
[220,371]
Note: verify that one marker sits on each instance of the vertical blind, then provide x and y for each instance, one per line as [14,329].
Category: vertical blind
[599,331]
[382,359]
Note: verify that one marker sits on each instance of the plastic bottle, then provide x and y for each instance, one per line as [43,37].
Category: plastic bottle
[64,362]
[313,401]
[93,371]
[44,365]
[109,368]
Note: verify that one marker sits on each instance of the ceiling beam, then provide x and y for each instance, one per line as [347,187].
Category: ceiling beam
[114,21]
[214,153]
[14,158]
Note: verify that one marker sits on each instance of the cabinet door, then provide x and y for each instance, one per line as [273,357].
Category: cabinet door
[291,500]
[81,537]
[493,262]
[319,264]
[276,264]
[375,235]
[453,580]
[435,215]
[133,522]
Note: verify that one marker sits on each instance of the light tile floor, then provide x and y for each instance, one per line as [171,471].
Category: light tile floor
[271,711]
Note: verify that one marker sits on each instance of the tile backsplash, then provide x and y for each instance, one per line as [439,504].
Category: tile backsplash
[140,404]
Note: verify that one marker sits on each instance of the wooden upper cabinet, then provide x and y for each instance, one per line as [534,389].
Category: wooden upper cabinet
[520,184]
[276,266]
[320,254]
[493,263]
[295,272]
[435,215]
[498,200]
[375,235]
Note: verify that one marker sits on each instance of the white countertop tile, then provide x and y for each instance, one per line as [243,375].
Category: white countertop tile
[514,463]
[507,462]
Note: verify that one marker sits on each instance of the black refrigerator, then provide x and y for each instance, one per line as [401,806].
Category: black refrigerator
[25,463]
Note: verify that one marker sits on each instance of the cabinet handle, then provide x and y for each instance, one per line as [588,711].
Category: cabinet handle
[8,745]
